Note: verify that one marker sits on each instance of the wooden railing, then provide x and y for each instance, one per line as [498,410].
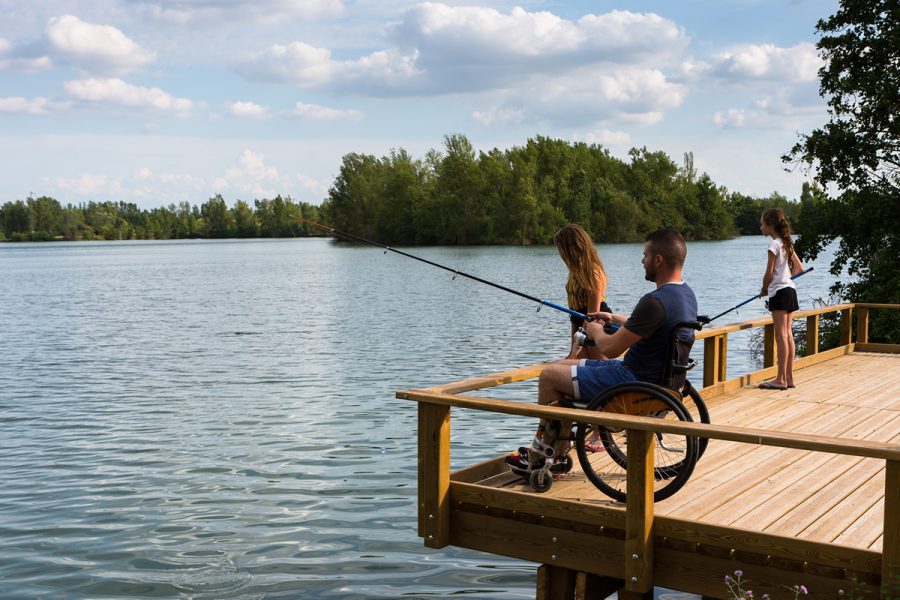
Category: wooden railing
[715,344]
[434,440]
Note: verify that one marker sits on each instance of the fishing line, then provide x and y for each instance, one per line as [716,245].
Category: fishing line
[356,238]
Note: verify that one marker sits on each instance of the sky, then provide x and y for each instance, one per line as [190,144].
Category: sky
[164,101]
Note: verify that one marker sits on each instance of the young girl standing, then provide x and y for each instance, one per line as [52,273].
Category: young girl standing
[782,293]
[586,286]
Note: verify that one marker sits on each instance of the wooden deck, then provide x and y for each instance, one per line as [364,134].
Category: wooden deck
[781,491]
[791,490]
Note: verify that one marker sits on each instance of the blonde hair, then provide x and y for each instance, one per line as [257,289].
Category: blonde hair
[776,219]
[580,255]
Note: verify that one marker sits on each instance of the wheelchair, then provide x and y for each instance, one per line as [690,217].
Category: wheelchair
[675,456]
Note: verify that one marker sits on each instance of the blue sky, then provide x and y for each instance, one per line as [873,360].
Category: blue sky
[161,101]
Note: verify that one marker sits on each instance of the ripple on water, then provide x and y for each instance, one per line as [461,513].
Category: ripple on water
[217,419]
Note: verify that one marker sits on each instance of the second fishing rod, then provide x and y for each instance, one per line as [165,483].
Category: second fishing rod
[361,240]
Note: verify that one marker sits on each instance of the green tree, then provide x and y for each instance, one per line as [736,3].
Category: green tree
[245,223]
[858,152]
[219,221]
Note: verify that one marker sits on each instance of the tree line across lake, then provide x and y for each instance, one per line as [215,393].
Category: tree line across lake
[454,196]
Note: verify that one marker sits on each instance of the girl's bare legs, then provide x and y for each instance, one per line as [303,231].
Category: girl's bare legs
[791,351]
[784,345]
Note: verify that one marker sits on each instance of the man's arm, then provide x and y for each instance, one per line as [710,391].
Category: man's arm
[647,316]
[611,345]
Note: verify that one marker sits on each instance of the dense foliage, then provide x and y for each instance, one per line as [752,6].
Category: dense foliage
[454,196]
[40,219]
[523,195]
[858,153]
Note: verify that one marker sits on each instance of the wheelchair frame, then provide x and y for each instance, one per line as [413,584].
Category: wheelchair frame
[637,398]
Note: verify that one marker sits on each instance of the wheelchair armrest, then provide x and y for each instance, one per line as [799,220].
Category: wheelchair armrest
[690,365]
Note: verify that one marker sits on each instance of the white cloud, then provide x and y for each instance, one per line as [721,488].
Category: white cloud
[219,12]
[120,93]
[309,67]
[314,112]
[634,94]
[254,177]
[477,35]
[249,110]
[450,49]
[95,48]
[499,117]
[731,118]
[24,59]
[88,184]
[604,137]
[312,185]
[32,106]
[799,63]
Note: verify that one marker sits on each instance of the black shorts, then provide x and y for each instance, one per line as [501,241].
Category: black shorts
[578,322]
[784,299]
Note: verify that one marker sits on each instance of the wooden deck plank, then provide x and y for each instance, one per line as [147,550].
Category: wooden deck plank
[747,465]
[763,495]
[866,529]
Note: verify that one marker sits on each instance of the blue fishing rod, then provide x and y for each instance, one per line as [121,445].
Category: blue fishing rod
[752,298]
[356,238]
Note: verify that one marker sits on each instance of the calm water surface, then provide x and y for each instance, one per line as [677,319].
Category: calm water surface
[216,419]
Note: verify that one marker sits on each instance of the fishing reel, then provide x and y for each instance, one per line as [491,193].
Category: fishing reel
[581,337]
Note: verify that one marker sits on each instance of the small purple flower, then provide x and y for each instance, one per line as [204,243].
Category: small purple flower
[727,579]
[803,589]
[739,573]
[749,593]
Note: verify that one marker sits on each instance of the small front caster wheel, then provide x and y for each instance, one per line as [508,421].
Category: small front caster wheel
[540,480]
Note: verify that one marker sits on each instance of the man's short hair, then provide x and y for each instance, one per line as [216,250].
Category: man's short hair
[669,244]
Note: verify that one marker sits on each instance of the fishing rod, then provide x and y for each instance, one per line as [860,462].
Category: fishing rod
[751,299]
[356,238]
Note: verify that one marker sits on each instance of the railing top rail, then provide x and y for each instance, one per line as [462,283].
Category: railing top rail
[715,330]
[746,435]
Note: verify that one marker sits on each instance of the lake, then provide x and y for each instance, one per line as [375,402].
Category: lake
[216,419]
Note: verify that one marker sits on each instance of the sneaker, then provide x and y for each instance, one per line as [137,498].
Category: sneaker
[520,463]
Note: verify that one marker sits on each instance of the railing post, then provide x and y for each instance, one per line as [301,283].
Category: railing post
[639,514]
[812,335]
[434,474]
[890,550]
[723,357]
[769,345]
[862,325]
[846,326]
[711,356]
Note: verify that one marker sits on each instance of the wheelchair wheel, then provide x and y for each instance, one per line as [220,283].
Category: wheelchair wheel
[696,408]
[674,455]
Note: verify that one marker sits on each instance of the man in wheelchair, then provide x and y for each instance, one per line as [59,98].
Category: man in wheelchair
[647,335]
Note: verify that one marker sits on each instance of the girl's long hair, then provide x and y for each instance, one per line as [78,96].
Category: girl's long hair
[776,219]
[580,255]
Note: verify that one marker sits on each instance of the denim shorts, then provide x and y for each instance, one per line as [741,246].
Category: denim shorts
[590,377]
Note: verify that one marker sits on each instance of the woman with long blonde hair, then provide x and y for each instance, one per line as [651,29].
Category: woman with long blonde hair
[586,286]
